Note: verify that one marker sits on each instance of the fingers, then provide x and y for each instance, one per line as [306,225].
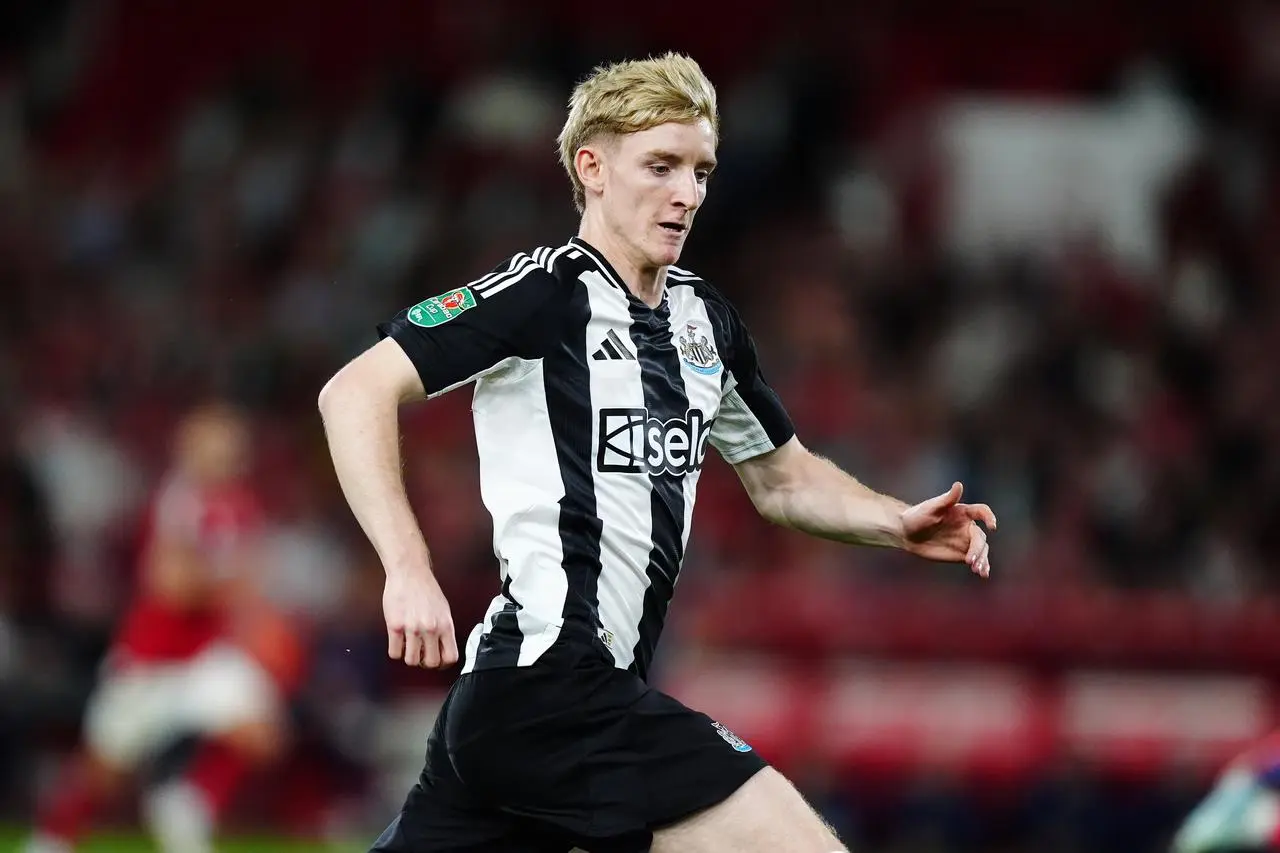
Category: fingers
[439,648]
[449,644]
[949,498]
[976,543]
[430,649]
[980,564]
[983,513]
[979,555]
[419,625]
[981,560]
[414,648]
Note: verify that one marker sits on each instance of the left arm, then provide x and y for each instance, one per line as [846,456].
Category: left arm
[795,488]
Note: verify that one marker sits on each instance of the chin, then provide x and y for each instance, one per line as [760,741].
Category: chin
[665,256]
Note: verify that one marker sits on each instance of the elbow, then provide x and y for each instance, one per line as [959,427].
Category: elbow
[382,378]
[325,401]
[771,507]
[357,387]
[334,392]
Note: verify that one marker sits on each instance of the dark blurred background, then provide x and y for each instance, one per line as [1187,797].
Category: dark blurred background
[1027,245]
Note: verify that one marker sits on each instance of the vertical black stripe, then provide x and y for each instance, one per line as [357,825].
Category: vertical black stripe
[568,378]
[500,646]
[666,399]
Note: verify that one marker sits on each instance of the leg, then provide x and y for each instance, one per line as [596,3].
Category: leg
[767,814]
[442,815]
[89,783]
[593,752]
[223,762]
[122,725]
[233,704]
[182,813]
[426,823]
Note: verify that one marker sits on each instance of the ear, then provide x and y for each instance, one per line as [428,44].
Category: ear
[590,165]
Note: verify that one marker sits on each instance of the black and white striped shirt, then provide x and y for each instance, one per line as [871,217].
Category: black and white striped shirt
[593,413]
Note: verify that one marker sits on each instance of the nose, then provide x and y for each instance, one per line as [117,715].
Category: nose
[687,193]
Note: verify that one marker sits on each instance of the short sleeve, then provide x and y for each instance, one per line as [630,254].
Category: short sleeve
[752,419]
[464,333]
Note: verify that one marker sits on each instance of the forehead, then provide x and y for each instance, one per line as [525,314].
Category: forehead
[695,140]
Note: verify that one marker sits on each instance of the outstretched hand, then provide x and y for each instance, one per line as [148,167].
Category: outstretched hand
[946,530]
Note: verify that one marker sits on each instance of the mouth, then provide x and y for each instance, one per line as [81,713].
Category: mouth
[675,227]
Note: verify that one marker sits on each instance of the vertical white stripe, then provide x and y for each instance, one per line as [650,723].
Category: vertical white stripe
[703,390]
[538,579]
[622,499]
[521,486]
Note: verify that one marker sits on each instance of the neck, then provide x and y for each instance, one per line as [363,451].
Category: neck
[646,282]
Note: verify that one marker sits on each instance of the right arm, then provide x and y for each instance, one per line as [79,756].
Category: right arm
[442,343]
[360,408]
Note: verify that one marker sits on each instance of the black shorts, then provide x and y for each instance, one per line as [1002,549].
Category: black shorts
[568,752]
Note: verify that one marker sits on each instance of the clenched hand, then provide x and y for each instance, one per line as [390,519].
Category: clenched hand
[419,625]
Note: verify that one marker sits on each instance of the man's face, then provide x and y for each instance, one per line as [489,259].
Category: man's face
[654,181]
[214,447]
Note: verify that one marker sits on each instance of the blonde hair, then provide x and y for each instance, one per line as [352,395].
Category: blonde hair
[631,96]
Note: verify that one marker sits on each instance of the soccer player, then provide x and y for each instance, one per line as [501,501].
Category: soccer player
[175,667]
[603,373]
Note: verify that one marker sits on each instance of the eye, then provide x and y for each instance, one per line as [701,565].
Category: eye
[703,175]
[660,168]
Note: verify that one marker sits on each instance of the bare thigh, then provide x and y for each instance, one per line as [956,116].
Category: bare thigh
[766,815]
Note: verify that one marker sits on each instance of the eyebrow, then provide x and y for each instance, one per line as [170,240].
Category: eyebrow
[660,154]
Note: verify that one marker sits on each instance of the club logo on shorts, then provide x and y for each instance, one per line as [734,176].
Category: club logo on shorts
[730,738]
[442,308]
[698,351]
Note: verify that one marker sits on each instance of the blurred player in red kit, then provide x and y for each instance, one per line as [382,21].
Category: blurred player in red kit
[199,653]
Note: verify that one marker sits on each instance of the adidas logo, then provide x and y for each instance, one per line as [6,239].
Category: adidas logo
[613,349]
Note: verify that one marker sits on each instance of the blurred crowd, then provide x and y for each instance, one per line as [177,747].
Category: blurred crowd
[1108,385]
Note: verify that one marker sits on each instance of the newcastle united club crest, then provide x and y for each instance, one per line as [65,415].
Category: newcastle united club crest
[698,350]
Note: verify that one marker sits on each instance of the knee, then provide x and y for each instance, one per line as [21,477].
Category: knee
[102,774]
[260,741]
[766,815]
